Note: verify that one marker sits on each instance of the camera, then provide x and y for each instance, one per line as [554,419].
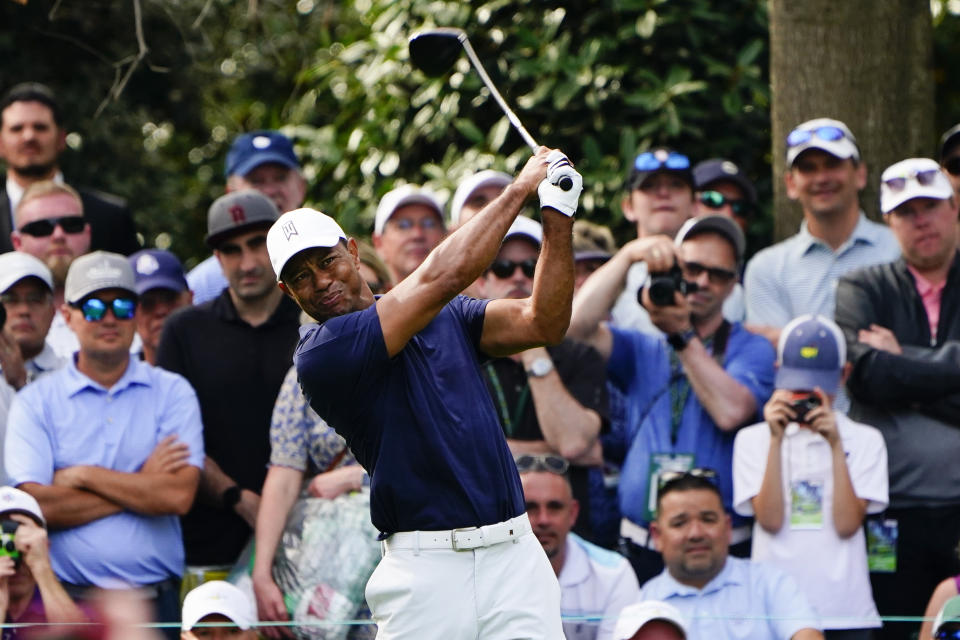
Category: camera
[8,547]
[664,284]
[804,405]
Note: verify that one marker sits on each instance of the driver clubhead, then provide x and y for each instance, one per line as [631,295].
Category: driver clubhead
[435,51]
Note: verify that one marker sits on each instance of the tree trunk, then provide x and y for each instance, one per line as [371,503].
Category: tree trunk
[864,62]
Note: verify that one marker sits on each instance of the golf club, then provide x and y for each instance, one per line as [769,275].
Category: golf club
[435,51]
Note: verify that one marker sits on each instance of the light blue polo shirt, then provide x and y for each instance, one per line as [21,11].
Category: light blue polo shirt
[65,419]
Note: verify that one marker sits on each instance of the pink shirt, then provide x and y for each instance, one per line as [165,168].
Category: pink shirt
[931,294]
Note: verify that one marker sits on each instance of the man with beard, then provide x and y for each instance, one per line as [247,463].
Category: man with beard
[235,350]
[686,393]
[32,137]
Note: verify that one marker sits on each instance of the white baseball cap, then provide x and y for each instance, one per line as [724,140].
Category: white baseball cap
[485,178]
[401,197]
[633,617]
[526,227]
[220,597]
[297,230]
[16,501]
[819,134]
[912,178]
[17,265]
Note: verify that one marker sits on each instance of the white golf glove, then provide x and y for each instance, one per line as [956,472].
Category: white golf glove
[560,171]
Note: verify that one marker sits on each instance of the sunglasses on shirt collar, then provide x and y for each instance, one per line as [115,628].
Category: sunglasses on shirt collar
[95,309]
[72,224]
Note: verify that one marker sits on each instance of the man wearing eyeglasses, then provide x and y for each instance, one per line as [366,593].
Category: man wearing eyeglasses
[32,137]
[110,447]
[550,400]
[798,275]
[901,325]
[688,392]
[408,225]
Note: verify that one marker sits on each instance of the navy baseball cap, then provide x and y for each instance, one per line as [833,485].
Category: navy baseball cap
[718,169]
[157,269]
[250,150]
[811,353]
[659,160]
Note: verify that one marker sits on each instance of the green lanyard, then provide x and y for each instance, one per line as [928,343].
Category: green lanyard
[509,423]
[680,387]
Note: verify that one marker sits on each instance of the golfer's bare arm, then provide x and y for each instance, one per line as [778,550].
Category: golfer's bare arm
[457,262]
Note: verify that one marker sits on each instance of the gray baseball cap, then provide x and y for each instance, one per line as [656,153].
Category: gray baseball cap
[97,271]
[714,223]
[239,211]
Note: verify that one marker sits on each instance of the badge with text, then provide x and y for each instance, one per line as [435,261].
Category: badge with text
[882,545]
[806,504]
[661,463]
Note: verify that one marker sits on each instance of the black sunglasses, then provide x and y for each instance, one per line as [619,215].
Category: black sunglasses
[952,165]
[44,228]
[716,200]
[95,309]
[541,462]
[506,268]
[715,274]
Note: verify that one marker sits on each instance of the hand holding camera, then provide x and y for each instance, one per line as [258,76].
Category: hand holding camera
[806,408]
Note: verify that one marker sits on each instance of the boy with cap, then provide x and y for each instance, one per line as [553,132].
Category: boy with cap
[810,474]
[162,289]
[224,607]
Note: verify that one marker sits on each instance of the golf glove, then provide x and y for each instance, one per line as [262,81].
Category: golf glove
[560,170]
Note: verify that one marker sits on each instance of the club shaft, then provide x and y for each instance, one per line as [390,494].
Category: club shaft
[511,116]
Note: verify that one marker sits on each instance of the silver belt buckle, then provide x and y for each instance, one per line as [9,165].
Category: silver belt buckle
[453,537]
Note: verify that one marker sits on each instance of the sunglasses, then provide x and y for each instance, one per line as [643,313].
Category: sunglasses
[506,268]
[669,477]
[952,165]
[95,309]
[405,224]
[715,274]
[827,133]
[716,200]
[923,178]
[947,634]
[44,228]
[541,462]
[649,161]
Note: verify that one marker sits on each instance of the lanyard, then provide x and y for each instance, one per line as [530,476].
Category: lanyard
[509,423]
[680,387]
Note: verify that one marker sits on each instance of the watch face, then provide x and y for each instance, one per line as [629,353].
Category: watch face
[541,367]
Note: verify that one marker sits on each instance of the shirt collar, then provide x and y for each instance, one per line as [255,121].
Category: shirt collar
[924,286]
[865,232]
[575,564]
[46,360]
[137,373]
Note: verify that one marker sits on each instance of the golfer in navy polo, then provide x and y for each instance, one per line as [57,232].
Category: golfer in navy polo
[399,378]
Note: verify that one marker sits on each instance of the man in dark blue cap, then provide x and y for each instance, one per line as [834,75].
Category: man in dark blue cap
[721,187]
[261,160]
[162,289]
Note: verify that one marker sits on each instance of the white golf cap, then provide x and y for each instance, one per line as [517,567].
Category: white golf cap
[524,226]
[16,501]
[844,147]
[633,617]
[909,176]
[401,197]
[17,265]
[297,230]
[486,178]
[220,597]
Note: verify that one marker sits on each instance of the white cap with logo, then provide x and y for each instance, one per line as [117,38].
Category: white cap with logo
[218,596]
[14,500]
[298,230]
[912,178]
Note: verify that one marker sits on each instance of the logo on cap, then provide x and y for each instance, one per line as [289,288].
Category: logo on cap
[147,264]
[261,142]
[289,230]
[729,168]
[103,272]
[238,214]
[809,352]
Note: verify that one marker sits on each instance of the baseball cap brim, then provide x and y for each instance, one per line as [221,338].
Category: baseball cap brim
[842,148]
[796,379]
[714,223]
[160,282]
[949,140]
[267,157]
[297,231]
[591,255]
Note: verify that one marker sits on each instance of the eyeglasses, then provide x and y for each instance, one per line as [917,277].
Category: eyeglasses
[35,299]
[716,200]
[541,462]
[649,161]
[426,224]
[716,275]
[506,268]
[827,133]
[95,309]
[44,228]
[952,165]
[923,178]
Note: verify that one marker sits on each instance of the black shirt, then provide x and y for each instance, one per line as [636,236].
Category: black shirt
[236,370]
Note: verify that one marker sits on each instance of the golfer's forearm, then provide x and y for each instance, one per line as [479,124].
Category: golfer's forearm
[553,283]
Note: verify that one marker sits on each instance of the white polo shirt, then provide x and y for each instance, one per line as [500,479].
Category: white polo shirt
[831,570]
[594,582]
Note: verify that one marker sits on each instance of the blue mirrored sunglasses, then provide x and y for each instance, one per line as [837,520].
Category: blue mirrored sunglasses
[95,309]
[802,136]
[648,161]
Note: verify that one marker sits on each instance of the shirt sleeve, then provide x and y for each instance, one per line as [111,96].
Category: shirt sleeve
[181,417]
[867,464]
[289,426]
[584,376]
[765,301]
[749,465]
[472,311]
[28,447]
[752,366]
[788,609]
[622,365]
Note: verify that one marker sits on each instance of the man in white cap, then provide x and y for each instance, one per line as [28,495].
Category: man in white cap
[901,322]
[399,378]
[224,607]
[110,447]
[650,620]
[407,227]
[798,275]
[474,193]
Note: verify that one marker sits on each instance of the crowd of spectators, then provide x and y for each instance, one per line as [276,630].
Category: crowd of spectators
[722,446]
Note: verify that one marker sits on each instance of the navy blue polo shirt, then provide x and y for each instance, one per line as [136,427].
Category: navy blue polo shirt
[421,423]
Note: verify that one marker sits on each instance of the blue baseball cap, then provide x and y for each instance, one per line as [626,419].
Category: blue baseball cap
[157,269]
[811,353]
[251,150]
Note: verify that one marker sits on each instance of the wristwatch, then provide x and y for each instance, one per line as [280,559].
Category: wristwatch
[679,341]
[230,497]
[540,367]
